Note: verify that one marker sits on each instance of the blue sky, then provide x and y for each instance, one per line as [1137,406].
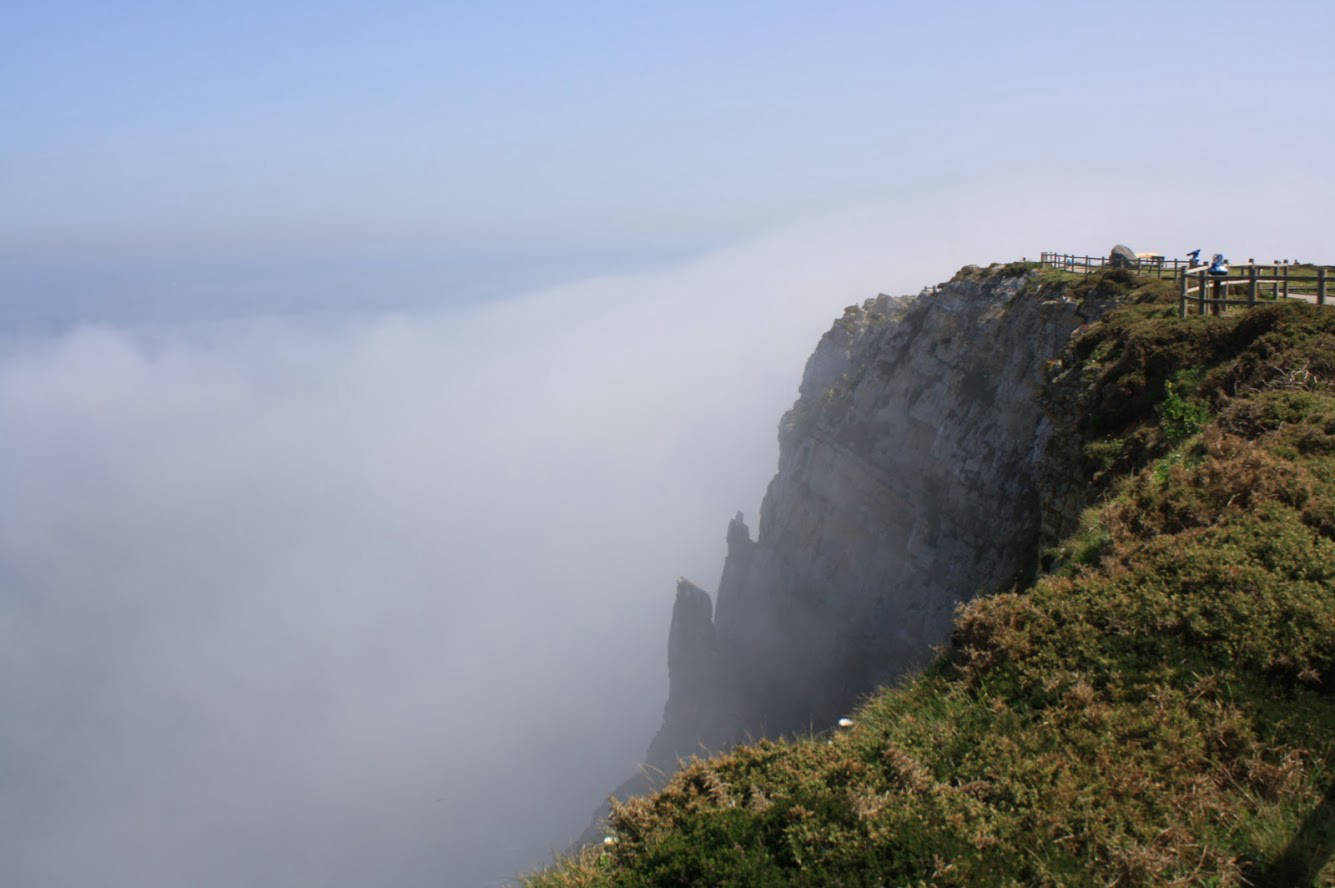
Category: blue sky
[605,126]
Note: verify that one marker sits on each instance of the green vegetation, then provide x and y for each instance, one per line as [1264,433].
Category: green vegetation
[1116,283]
[1156,709]
[1011,269]
[1180,417]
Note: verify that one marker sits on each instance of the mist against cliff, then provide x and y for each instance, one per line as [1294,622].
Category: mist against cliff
[383,600]
[379,600]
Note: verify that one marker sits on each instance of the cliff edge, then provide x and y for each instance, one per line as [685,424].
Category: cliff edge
[1137,686]
[907,483]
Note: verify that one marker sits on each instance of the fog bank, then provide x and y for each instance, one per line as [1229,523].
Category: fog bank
[385,600]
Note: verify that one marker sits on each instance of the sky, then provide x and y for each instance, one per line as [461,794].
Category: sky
[261,128]
[368,375]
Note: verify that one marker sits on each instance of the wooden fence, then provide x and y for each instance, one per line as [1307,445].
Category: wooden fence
[1244,285]
[1263,282]
[1087,264]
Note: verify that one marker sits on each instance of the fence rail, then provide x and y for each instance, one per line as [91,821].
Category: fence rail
[1197,288]
[1087,264]
[1268,282]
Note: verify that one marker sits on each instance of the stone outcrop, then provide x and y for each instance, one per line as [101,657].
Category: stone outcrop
[693,704]
[1123,256]
[906,484]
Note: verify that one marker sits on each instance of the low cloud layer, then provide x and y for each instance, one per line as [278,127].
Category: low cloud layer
[384,601]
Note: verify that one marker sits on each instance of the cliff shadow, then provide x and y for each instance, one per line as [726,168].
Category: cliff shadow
[1308,852]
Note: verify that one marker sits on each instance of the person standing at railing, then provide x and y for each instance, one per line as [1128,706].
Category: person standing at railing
[1219,265]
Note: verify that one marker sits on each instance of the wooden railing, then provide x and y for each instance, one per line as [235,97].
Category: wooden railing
[1087,264]
[1263,282]
[1244,285]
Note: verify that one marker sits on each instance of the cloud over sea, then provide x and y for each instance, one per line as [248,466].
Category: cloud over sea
[384,600]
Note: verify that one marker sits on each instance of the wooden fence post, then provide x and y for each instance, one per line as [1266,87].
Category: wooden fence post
[1286,280]
[1321,285]
[1251,284]
[1182,294]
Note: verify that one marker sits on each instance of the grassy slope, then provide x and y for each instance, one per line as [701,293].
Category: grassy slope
[1156,709]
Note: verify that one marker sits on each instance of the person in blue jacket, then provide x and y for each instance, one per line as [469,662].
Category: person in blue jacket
[1219,265]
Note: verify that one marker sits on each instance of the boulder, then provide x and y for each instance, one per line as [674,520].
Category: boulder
[1122,256]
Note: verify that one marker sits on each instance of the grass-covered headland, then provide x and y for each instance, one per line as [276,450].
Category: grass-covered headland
[1157,708]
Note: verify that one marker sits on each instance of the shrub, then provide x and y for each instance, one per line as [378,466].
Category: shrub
[1179,417]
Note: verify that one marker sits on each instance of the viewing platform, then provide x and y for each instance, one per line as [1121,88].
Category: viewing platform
[1242,285]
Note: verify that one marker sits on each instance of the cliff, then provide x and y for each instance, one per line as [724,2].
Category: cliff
[1132,518]
[907,483]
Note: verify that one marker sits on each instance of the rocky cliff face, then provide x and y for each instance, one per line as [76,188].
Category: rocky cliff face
[907,483]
